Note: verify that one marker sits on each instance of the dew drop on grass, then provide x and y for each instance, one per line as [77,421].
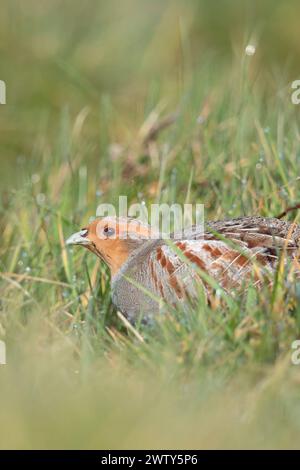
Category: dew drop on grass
[40,199]
[200,119]
[35,178]
[66,294]
[250,49]
[218,293]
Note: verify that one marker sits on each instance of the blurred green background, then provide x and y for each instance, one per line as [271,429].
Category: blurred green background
[127,55]
[87,82]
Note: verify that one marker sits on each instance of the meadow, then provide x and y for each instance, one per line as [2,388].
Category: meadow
[161,102]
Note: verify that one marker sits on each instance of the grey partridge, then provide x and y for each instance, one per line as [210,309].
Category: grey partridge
[147,273]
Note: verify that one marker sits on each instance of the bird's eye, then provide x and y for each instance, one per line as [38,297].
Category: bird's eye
[108,231]
[83,232]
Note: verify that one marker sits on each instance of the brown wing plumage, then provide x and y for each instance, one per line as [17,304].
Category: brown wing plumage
[254,231]
[245,243]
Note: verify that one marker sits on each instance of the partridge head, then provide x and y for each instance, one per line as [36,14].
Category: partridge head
[112,239]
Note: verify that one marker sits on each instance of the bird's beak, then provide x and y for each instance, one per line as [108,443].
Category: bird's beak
[77,239]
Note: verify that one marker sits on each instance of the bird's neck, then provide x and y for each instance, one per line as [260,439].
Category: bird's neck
[120,253]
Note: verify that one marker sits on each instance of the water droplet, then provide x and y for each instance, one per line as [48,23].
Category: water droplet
[35,178]
[200,120]
[218,293]
[40,199]
[250,49]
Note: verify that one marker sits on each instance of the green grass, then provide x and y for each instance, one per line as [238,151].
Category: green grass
[83,85]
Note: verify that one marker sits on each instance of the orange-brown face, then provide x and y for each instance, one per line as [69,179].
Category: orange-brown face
[112,239]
